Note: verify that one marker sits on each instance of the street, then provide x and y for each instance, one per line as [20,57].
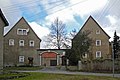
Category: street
[63,71]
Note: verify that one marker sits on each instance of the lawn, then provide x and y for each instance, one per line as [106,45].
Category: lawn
[11,75]
[48,76]
[22,68]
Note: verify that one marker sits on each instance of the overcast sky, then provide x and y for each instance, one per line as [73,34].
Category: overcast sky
[40,13]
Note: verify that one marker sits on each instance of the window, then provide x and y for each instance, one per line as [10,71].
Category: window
[63,53]
[11,42]
[22,31]
[98,42]
[31,43]
[19,32]
[98,54]
[21,58]
[21,43]
[85,56]
[97,31]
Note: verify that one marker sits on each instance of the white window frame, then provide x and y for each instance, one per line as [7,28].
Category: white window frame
[97,31]
[18,32]
[85,56]
[23,32]
[31,44]
[11,42]
[21,58]
[97,43]
[99,54]
[21,44]
[63,53]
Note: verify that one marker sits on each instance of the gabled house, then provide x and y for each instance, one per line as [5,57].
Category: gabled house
[100,47]
[3,23]
[20,45]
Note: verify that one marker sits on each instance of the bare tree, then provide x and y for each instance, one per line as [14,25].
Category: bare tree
[58,35]
[71,35]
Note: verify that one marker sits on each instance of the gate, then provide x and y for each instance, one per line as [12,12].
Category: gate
[53,62]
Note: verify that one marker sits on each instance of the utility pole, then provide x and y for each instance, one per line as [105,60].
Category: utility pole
[115,48]
[113,60]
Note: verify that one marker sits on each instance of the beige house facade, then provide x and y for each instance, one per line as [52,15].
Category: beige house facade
[100,47]
[3,23]
[20,45]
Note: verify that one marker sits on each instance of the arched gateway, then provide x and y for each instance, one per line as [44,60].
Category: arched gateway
[51,57]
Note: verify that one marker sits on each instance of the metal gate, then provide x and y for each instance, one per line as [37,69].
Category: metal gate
[53,62]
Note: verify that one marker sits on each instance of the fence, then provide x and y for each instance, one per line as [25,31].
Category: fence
[100,66]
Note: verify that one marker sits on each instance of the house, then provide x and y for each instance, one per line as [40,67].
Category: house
[20,45]
[3,23]
[51,57]
[100,47]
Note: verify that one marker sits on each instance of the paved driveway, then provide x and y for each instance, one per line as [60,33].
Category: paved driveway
[63,71]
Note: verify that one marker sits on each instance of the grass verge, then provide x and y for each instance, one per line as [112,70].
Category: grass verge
[12,75]
[22,68]
[50,76]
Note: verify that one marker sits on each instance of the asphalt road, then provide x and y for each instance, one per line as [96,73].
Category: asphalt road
[63,71]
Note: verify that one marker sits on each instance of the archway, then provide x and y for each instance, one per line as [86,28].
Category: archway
[49,59]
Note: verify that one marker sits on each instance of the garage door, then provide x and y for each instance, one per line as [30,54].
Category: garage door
[53,62]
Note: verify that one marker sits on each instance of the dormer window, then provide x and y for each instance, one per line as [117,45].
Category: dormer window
[97,31]
[22,31]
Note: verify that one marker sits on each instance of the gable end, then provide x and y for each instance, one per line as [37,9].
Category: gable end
[90,17]
[21,24]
